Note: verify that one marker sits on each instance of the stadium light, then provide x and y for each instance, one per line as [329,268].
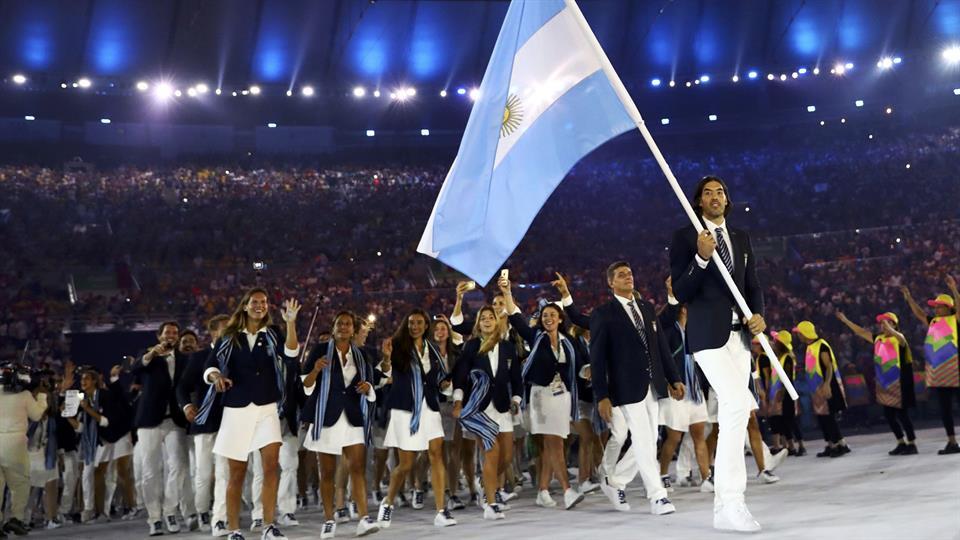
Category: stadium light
[474,94]
[897,60]
[84,82]
[885,63]
[104,120]
[425,132]
[218,91]
[794,75]
[858,103]
[838,69]
[672,84]
[843,120]
[811,108]
[410,92]
[371,133]
[461,91]
[848,65]
[816,71]
[443,93]
[255,90]
[752,74]
[307,91]
[177,93]
[271,125]
[689,84]
[956,91]
[143,86]
[289,93]
[783,76]
[665,121]
[29,118]
[376,93]
[192,92]
[802,71]
[202,88]
[655,82]
[712,118]
[735,78]
[952,54]
[163,91]
[19,78]
[704,78]
[770,76]
[889,110]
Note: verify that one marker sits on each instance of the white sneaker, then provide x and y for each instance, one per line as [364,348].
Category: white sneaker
[256,525]
[205,521]
[156,528]
[288,520]
[617,497]
[545,500]
[52,524]
[172,526]
[587,487]
[354,511]
[772,461]
[416,499]
[662,507]
[384,515]
[734,517]
[87,516]
[499,499]
[707,486]
[219,529]
[686,481]
[329,529]
[366,526]
[768,477]
[667,485]
[571,498]
[506,496]
[342,515]
[493,512]
[192,522]
[444,519]
[271,532]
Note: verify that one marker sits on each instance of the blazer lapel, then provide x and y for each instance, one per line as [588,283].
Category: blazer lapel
[621,315]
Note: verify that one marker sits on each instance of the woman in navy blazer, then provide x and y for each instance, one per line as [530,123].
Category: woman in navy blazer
[488,379]
[550,370]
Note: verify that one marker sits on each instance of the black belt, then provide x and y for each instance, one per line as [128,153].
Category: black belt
[736,327]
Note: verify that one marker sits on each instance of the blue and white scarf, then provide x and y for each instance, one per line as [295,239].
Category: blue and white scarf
[472,418]
[571,368]
[224,350]
[417,382]
[327,372]
[89,437]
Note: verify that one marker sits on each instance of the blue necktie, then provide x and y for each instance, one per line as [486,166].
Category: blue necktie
[723,251]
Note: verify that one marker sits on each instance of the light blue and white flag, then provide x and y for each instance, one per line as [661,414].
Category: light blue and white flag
[544,103]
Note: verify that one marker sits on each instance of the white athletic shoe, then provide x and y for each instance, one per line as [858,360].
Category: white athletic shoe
[384,515]
[768,477]
[734,517]
[354,511]
[367,526]
[506,496]
[545,500]
[219,530]
[617,497]
[667,485]
[444,519]
[288,520]
[329,529]
[571,498]
[772,461]
[172,526]
[707,486]
[662,507]
[192,522]
[416,499]
[256,525]
[587,487]
[493,512]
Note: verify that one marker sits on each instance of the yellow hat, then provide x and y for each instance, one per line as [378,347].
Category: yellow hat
[941,300]
[888,316]
[783,337]
[806,329]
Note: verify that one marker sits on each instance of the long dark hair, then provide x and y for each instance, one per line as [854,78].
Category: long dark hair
[561,328]
[699,191]
[403,341]
[238,321]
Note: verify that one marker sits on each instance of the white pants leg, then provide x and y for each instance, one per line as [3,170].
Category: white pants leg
[138,449]
[642,419]
[175,448]
[289,463]
[619,472]
[161,489]
[188,503]
[221,470]
[110,485]
[687,457]
[71,472]
[203,477]
[728,370]
[256,486]
[86,480]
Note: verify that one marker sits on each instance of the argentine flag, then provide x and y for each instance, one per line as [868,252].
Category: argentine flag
[544,103]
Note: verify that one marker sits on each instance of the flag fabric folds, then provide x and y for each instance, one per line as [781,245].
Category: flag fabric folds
[544,103]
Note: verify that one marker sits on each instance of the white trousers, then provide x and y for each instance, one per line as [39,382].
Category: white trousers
[86,480]
[188,506]
[212,472]
[287,492]
[15,472]
[164,460]
[640,421]
[71,472]
[728,370]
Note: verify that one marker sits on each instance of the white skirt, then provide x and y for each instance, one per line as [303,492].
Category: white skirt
[245,429]
[398,429]
[334,438]
[680,415]
[39,473]
[549,414]
[504,421]
[108,452]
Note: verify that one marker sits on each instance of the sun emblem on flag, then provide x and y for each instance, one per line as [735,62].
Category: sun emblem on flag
[512,116]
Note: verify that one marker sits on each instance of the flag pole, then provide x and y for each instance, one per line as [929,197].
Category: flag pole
[634,113]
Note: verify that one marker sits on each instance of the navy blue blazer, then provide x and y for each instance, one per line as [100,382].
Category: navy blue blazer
[709,301]
[619,367]
[400,395]
[342,398]
[508,381]
[158,399]
[253,371]
[192,388]
[544,364]
[114,406]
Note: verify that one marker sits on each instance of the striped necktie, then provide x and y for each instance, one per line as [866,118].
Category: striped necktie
[723,251]
[638,324]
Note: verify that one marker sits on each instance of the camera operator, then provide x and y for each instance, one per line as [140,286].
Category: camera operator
[20,400]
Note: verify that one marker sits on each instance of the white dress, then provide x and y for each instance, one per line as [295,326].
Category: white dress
[334,438]
[431,424]
[550,405]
